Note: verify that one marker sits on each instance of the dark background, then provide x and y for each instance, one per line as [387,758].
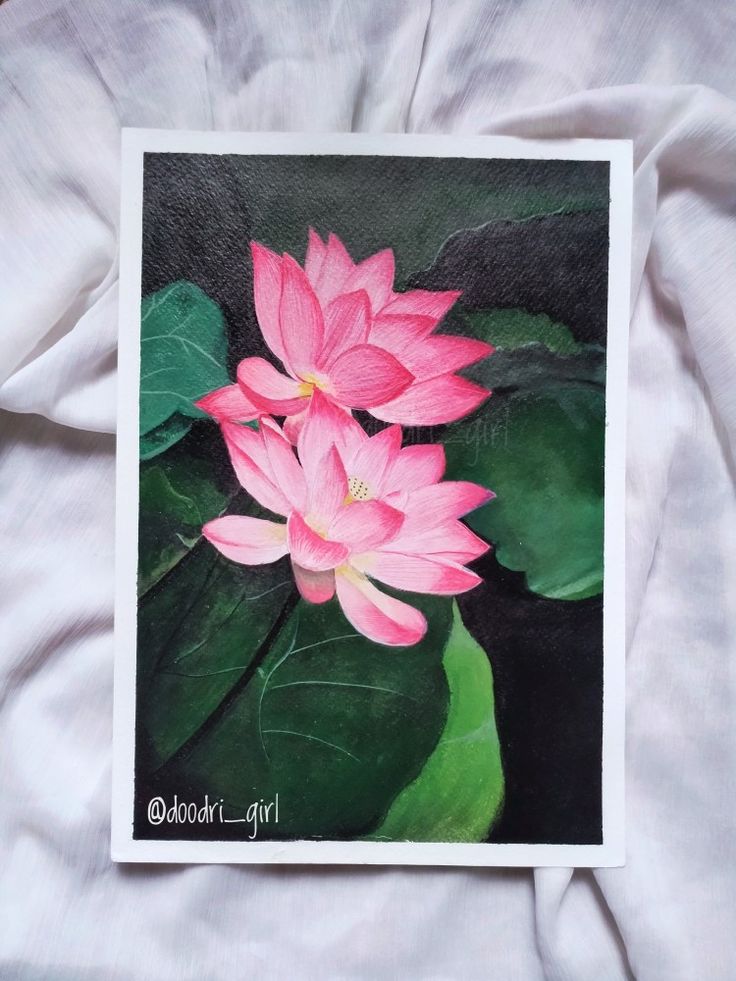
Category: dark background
[510,233]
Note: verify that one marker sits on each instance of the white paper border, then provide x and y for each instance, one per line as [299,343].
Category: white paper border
[135,142]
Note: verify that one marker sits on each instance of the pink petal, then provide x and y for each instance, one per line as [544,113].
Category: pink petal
[453,541]
[336,267]
[293,426]
[374,458]
[310,550]
[327,425]
[229,404]
[267,295]
[375,275]
[253,468]
[462,547]
[288,475]
[379,617]
[302,327]
[250,541]
[362,377]
[316,251]
[365,524]
[442,353]
[449,499]
[269,389]
[400,332]
[425,303]
[346,324]
[415,467]
[315,587]
[432,402]
[416,573]
[327,492]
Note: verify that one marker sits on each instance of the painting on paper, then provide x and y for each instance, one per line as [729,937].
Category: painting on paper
[370,500]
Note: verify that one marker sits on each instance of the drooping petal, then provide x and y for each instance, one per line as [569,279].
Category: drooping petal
[425,303]
[443,353]
[327,492]
[446,500]
[293,426]
[267,295]
[362,377]
[373,459]
[269,389]
[347,320]
[415,467]
[399,332]
[229,404]
[375,275]
[379,617]
[429,403]
[250,541]
[309,549]
[288,475]
[453,541]
[302,326]
[315,587]
[326,425]
[365,525]
[253,468]
[316,251]
[416,573]
[336,267]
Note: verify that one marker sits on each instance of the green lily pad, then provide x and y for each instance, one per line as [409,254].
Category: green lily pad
[509,329]
[247,692]
[178,495]
[183,352]
[459,792]
[538,442]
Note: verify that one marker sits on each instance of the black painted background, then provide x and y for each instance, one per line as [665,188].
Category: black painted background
[539,241]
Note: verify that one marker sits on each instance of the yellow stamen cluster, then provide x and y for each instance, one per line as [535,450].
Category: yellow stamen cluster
[358,490]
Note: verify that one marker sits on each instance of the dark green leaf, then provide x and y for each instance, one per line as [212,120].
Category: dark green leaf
[457,795]
[162,437]
[533,367]
[541,451]
[333,723]
[433,208]
[177,496]
[183,351]
[197,632]
[538,442]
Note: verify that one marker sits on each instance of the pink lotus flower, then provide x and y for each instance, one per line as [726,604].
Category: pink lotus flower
[403,325]
[338,327]
[357,509]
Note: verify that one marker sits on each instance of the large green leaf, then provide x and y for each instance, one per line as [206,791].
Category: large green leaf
[457,795]
[538,442]
[183,351]
[178,494]
[197,632]
[164,436]
[252,694]
[342,190]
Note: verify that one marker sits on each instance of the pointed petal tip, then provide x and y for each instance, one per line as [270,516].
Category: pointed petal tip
[228,403]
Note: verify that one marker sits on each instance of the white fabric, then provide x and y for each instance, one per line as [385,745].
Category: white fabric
[71,73]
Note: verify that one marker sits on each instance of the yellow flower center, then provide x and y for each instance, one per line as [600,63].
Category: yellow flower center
[358,490]
[309,382]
